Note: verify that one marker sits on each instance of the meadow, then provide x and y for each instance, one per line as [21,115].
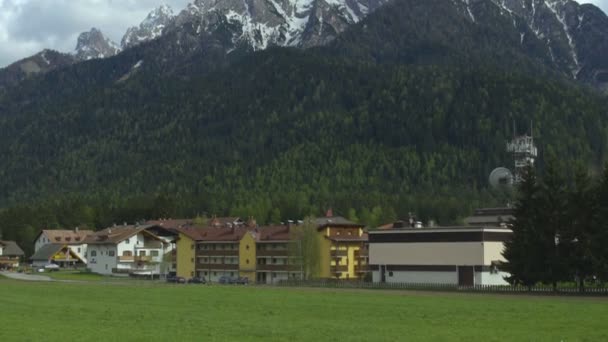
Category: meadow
[58,311]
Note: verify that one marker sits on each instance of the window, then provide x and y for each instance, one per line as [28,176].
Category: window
[192,260]
[78,249]
[111,253]
[231,274]
[127,253]
[93,253]
[192,246]
[154,253]
[247,261]
[142,253]
[127,241]
[214,273]
[247,247]
[192,273]
[390,274]
[106,266]
[205,272]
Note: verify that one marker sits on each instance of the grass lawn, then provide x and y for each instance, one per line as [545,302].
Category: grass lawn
[76,275]
[46,311]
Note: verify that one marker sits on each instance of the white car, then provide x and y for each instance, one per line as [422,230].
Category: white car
[51,267]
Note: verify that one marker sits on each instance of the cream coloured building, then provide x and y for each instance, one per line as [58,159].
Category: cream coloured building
[464,256]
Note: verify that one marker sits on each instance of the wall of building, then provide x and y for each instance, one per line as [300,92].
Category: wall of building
[427,253]
[325,256]
[247,257]
[489,278]
[102,262]
[186,248]
[493,252]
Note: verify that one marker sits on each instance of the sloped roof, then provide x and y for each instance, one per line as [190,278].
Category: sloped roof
[47,251]
[114,235]
[65,236]
[274,233]
[335,221]
[171,223]
[346,238]
[11,248]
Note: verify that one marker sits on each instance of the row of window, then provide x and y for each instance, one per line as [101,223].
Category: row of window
[125,253]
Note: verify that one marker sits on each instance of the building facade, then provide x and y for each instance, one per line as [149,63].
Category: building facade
[130,250]
[10,255]
[73,239]
[463,256]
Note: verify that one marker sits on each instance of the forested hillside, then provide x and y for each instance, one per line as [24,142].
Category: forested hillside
[372,132]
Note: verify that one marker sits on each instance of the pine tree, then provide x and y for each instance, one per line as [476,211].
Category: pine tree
[524,264]
[599,232]
[576,236]
[553,222]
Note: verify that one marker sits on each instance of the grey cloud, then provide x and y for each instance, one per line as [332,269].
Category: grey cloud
[28,26]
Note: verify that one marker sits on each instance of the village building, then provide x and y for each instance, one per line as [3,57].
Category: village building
[73,239]
[139,250]
[59,254]
[269,254]
[10,255]
[463,256]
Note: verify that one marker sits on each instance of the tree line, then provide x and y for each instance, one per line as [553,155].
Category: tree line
[560,227]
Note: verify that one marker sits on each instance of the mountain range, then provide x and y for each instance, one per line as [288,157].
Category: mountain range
[405,108]
[574,36]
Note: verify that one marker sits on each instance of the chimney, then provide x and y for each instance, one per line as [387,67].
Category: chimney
[329,213]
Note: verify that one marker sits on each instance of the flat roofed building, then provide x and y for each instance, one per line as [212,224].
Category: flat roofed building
[464,256]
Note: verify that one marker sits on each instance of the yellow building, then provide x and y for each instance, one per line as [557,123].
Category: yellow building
[266,254]
[185,252]
[343,248]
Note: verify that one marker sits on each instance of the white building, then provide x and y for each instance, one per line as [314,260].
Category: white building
[74,239]
[132,250]
[464,256]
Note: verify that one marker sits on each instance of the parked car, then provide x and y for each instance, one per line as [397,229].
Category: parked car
[225,280]
[176,280]
[51,267]
[242,280]
[233,280]
[197,280]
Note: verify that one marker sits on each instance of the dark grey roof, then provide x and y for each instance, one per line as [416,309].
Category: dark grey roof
[46,252]
[11,249]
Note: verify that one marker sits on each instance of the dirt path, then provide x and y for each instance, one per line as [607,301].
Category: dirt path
[28,277]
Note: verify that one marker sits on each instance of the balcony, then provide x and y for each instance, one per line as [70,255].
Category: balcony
[125,258]
[361,254]
[362,269]
[217,252]
[338,269]
[272,253]
[279,268]
[206,266]
[338,254]
[9,260]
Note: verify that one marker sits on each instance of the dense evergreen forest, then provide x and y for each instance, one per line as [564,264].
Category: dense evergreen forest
[359,126]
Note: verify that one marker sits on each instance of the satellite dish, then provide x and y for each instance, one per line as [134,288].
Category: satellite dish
[501,177]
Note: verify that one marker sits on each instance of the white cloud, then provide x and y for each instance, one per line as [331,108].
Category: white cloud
[28,26]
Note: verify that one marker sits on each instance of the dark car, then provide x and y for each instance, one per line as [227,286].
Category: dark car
[176,280]
[241,280]
[197,280]
[225,280]
[233,280]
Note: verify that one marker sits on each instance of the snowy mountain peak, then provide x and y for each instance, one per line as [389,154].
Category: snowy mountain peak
[150,28]
[262,23]
[93,44]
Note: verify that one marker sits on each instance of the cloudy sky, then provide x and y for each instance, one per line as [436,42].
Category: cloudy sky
[28,26]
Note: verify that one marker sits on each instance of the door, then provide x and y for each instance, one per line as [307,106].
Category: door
[466,276]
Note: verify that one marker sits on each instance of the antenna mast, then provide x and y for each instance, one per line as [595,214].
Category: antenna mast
[524,153]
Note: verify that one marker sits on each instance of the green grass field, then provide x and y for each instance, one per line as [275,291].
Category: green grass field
[55,311]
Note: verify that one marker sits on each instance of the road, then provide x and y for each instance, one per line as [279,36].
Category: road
[28,277]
